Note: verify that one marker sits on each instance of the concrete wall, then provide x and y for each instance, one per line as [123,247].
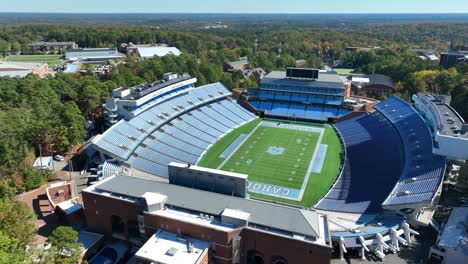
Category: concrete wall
[452,147]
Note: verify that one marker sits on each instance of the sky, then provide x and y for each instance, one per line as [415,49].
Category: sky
[236,6]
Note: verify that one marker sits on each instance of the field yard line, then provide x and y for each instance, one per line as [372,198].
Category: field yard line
[238,146]
[309,170]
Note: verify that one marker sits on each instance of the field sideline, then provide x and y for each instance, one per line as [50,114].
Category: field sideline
[286,168]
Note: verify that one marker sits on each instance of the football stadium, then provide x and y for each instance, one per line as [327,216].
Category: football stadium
[293,159]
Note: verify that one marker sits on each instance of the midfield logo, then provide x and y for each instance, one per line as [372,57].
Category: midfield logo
[275,150]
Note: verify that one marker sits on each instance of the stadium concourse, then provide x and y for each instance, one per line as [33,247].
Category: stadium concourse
[387,176]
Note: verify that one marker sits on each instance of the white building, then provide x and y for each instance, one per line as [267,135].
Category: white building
[21,69]
[43,163]
[452,244]
[158,51]
[448,128]
[127,102]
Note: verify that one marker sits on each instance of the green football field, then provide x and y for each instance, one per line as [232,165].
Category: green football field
[287,167]
[278,156]
[52,60]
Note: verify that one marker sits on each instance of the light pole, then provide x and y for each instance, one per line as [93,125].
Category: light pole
[52,154]
[70,168]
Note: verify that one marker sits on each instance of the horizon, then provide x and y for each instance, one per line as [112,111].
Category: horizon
[244,13]
[241,7]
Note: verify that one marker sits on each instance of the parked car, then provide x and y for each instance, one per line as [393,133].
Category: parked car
[59,158]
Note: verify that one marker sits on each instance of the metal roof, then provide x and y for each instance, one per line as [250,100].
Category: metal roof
[150,52]
[324,80]
[93,53]
[270,215]
[51,43]
[373,79]
[238,63]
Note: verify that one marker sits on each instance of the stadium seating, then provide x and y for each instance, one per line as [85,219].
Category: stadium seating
[423,170]
[299,110]
[374,161]
[388,162]
[151,140]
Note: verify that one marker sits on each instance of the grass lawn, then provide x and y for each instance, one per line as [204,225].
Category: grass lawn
[343,71]
[52,60]
[288,169]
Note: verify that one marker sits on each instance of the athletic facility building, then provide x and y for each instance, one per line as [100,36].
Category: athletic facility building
[127,102]
[194,163]
[93,55]
[301,94]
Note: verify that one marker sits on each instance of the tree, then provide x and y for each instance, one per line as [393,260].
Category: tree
[18,221]
[74,122]
[65,247]
[11,251]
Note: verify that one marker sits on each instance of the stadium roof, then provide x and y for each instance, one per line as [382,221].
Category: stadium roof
[324,80]
[265,214]
[447,115]
[150,52]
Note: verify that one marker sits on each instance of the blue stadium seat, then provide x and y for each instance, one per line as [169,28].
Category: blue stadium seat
[389,161]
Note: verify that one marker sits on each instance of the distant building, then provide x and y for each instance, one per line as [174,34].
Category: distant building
[21,69]
[425,54]
[240,65]
[356,48]
[248,72]
[43,163]
[370,85]
[452,244]
[129,101]
[152,52]
[301,63]
[448,60]
[48,47]
[93,55]
[132,48]
[218,25]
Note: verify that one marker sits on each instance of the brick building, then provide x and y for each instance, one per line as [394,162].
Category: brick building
[238,230]
[54,46]
[370,85]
